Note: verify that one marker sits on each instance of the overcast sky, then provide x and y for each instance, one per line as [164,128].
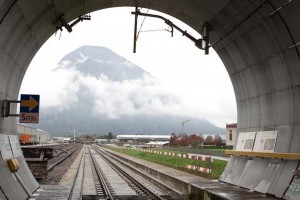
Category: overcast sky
[200,81]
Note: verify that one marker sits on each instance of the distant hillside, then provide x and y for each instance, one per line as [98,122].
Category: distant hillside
[62,124]
[110,94]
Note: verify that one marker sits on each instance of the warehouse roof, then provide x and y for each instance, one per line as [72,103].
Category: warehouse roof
[136,137]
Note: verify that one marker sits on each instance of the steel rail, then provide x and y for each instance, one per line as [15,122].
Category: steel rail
[101,177]
[98,184]
[64,158]
[70,197]
[63,149]
[129,177]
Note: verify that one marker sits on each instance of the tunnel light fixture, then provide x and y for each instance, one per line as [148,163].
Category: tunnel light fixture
[202,43]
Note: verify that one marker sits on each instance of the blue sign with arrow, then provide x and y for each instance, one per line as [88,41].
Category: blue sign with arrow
[29,108]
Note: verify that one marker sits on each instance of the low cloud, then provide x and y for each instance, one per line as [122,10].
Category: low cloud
[110,98]
[114,99]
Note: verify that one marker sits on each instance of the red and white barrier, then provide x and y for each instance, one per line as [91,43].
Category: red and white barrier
[188,156]
[203,169]
[199,169]
[205,158]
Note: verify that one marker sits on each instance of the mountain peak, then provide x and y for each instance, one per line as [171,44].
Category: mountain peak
[97,61]
[92,52]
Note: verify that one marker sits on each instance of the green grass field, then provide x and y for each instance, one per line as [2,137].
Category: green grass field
[217,166]
[216,151]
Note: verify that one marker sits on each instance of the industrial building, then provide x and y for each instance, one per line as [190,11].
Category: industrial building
[231,134]
[29,135]
[142,138]
[156,144]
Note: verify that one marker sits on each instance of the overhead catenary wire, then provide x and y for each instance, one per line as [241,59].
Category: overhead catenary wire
[150,2]
[239,24]
[7,11]
[275,10]
[138,33]
[201,43]
[154,30]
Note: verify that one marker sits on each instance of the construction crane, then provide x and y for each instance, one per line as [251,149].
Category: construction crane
[182,125]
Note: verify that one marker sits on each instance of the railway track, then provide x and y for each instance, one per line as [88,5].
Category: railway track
[42,159]
[111,179]
[102,186]
[131,178]
[61,153]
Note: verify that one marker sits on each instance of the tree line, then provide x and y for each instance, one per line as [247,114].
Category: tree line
[109,136]
[194,140]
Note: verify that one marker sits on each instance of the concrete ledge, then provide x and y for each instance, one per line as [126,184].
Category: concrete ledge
[217,190]
[285,156]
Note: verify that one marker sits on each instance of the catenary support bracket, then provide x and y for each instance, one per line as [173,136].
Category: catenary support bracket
[61,22]
[202,43]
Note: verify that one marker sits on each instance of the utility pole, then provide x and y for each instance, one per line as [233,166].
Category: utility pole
[182,125]
[74,133]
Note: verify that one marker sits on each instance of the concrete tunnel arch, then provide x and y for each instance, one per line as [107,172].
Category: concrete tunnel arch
[258,42]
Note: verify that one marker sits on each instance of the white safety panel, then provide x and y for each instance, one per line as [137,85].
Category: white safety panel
[15,146]
[5,148]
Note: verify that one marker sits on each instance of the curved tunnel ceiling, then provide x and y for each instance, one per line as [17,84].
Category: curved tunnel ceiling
[256,39]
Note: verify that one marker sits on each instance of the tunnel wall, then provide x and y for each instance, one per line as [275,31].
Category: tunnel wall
[256,40]
[263,62]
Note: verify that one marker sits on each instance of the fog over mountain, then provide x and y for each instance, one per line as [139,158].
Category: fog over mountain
[102,92]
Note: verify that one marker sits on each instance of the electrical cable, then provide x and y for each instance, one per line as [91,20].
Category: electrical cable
[150,2]
[8,10]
